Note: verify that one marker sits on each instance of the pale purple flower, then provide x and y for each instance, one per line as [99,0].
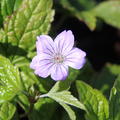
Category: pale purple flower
[54,57]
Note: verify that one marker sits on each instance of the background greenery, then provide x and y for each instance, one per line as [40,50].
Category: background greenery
[87,94]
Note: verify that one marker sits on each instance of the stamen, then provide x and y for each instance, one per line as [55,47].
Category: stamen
[58,58]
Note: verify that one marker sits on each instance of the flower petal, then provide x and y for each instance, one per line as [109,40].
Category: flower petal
[45,44]
[75,58]
[44,70]
[59,72]
[41,64]
[64,42]
[35,62]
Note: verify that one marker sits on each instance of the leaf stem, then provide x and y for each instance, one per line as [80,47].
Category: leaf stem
[42,96]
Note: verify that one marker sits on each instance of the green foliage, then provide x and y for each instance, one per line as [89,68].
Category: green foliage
[88,11]
[109,12]
[70,112]
[115,100]
[7,111]
[105,78]
[36,17]
[43,109]
[23,21]
[95,103]
[65,85]
[80,9]
[9,6]
[65,97]
[10,83]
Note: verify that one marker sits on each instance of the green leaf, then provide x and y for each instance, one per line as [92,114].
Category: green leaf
[29,78]
[10,84]
[70,112]
[66,98]
[109,11]
[65,85]
[31,19]
[82,10]
[7,111]
[79,4]
[9,6]
[105,78]
[44,109]
[115,100]
[95,103]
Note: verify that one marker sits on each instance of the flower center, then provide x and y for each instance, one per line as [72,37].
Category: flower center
[58,58]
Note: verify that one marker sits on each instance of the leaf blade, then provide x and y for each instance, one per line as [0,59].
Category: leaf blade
[10,83]
[95,103]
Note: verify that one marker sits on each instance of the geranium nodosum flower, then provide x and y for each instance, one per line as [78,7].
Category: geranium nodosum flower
[54,57]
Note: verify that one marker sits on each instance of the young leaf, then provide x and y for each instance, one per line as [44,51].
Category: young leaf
[10,83]
[70,112]
[7,110]
[66,98]
[31,19]
[115,100]
[95,103]
[109,11]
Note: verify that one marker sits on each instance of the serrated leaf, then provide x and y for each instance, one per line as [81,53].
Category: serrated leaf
[109,11]
[66,98]
[115,100]
[95,103]
[7,110]
[30,20]
[10,83]
[70,112]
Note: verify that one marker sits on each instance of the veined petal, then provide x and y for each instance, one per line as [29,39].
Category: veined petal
[75,58]
[45,44]
[41,58]
[59,72]
[44,69]
[64,42]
